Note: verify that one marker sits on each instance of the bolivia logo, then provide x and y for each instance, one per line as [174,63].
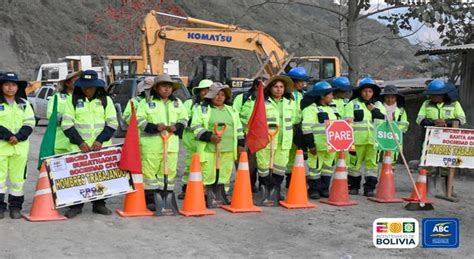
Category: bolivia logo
[395,233]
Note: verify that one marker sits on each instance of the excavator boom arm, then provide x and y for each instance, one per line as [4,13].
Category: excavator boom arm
[155,36]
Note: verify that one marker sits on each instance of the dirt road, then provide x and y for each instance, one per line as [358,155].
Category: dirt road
[324,232]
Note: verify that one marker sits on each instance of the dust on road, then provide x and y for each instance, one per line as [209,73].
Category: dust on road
[326,231]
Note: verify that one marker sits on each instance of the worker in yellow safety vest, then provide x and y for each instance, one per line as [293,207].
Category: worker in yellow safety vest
[243,104]
[143,92]
[281,115]
[300,78]
[341,94]
[157,114]
[442,109]
[16,125]
[394,103]
[361,111]
[66,88]
[89,122]
[317,110]
[215,123]
[189,139]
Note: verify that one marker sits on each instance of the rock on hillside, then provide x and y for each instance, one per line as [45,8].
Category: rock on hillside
[40,31]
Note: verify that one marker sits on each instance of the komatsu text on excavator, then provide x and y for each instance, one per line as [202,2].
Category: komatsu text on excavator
[271,56]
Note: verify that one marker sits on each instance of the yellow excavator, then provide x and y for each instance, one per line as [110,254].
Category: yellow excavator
[272,57]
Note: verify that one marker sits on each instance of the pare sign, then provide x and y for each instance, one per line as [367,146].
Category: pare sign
[340,135]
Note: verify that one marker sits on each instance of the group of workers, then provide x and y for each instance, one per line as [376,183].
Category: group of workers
[214,124]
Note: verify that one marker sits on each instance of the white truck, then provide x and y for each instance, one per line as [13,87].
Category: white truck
[109,69]
[52,73]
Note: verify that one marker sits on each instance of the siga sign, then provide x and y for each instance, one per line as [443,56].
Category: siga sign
[385,138]
[339,135]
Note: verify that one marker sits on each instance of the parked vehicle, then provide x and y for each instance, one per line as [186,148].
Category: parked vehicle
[39,101]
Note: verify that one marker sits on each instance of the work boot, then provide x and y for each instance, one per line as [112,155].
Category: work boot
[73,211]
[277,181]
[313,192]
[369,186]
[253,181]
[100,208]
[15,202]
[354,184]
[325,189]
[3,205]
[15,213]
[183,192]
[150,199]
[288,180]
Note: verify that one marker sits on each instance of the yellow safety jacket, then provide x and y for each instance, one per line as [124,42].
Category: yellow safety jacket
[200,125]
[314,117]
[363,123]
[433,111]
[188,137]
[400,117]
[12,118]
[244,106]
[285,120]
[340,105]
[127,113]
[62,142]
[89,118]
[298,96]
[155,111]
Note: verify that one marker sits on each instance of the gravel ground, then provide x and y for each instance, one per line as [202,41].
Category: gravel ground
[326,231]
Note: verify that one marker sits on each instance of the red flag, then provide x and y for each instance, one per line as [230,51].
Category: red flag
[257,136]
[130,159]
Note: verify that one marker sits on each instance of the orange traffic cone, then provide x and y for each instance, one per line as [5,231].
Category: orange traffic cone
[43,205]
[297,194]
[421,187]
[339,193]
[194,203]
[242,200]
[134,204]
[386,189]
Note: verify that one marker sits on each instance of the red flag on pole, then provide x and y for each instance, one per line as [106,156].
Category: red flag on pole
[130,159]
[257,136]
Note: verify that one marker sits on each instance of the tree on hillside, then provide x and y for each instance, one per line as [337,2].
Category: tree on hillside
[452,19]
[350,13]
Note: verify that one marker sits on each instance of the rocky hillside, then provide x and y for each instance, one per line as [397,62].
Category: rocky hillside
[40,31]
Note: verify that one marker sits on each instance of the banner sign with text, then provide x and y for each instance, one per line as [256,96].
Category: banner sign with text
[448,147]
[83,177]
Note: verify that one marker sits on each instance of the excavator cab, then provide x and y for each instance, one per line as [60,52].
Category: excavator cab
[320,68]
[215,68]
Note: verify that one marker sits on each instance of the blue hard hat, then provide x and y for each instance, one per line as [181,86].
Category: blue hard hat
[298,73]
[367,82]
[89,78]
[320,89]
[437,87]
[342,83]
